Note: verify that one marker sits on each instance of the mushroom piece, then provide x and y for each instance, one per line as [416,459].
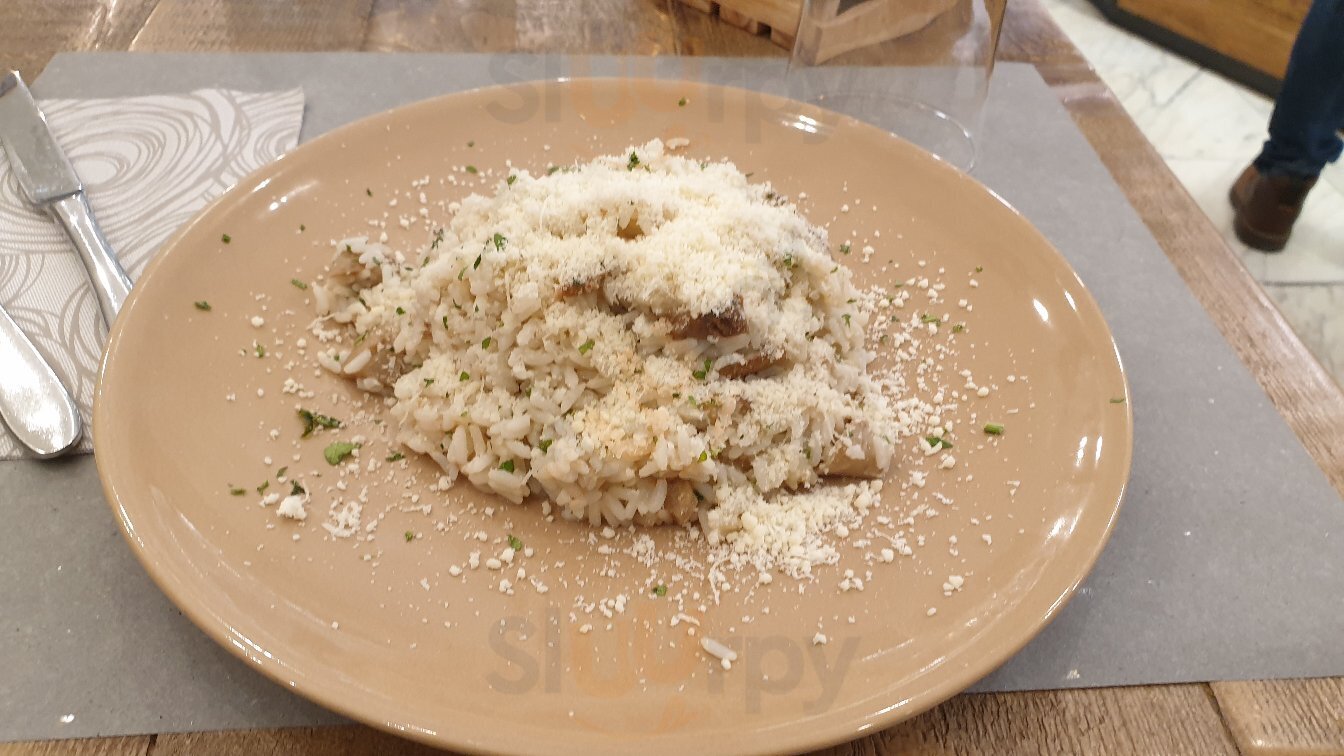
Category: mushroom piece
[681,501]
[724,323]
[751,366]
[838,463]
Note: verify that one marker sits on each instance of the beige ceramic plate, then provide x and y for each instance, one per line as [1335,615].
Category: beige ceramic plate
[185,409]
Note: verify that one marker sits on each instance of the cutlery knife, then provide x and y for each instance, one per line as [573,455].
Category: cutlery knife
[49,181]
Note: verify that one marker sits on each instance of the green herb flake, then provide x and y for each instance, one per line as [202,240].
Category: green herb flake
[429,382]
[545,444]
[338,451]
[445,322]
[498,240]
[586,347]
[844,248]
[261,351]
[552,169]
[1118,400]
[296,283]
[926,318]
[235,491]
[471,143]
[265,484]
[510,180]
[464,376]
[704,455]
[485,342]
[979,269]
[477,264]
[226,238]
[202,305]
[660,589]
[295,489]
[280,474]
[507,466]
[846,318]
[681,103]
[302,228]
[994,429]
[401,310]
[633,162]
[515,542]
[472,169]
[313,420]
[368,192]
[937,442]
[409,536]
[395,457]
[958,328]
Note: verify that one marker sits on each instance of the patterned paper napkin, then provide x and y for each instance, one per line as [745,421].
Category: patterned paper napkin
[148,165]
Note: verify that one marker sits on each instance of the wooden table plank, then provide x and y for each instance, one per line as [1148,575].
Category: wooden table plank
[1284,717]
[32,31]
[136,745]
[254,25]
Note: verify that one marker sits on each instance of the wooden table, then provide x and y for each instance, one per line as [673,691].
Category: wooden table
[1259,717]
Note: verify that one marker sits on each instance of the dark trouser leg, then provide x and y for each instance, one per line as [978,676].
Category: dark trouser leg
[1303,132]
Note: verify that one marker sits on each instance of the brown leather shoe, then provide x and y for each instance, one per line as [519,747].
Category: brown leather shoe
[1267,207]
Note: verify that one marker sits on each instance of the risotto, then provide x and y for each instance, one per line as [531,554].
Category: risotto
[641,339]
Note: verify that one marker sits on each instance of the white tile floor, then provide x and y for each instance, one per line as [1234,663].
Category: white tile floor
[1208,128]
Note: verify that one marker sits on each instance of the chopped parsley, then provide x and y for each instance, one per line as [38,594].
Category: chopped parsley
[507,465]
[545,444]
[295,489]
[485,342]
[235,491]
[586,347]
[700,375]
[202,305]
[844,248]
[704,455]
[471,143]
[681,103]
[261,350]
[476,264]
[937,442]
[633,162]
[1118,400]
[368,192]
[401,310]
[302,227]
[927,318]
[429,382]
[296,283]
[979,269]
[312,420]
[280,474]
[265,484]
[464,376]
[510,180]
[788,261]
[552,169]
[958,328]
[409,536]
[498,239]
[515,542]
[226,238]
[846,318]
[462,273]
[438,239]
[471,169]
[445,322]
[994,429]
[338,451]
[395,457]
[660,589]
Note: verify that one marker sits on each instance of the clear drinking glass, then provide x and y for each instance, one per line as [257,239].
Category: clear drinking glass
[918,68]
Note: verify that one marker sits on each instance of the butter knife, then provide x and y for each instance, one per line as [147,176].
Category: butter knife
[33,403]
[50,183]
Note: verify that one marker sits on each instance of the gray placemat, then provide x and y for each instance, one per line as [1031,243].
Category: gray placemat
[1225,563]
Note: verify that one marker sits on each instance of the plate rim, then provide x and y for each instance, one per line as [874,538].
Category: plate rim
[802,734]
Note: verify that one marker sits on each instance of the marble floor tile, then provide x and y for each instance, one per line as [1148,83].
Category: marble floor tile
[1317,314]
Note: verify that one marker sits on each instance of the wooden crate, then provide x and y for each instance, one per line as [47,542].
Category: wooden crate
[834,33]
